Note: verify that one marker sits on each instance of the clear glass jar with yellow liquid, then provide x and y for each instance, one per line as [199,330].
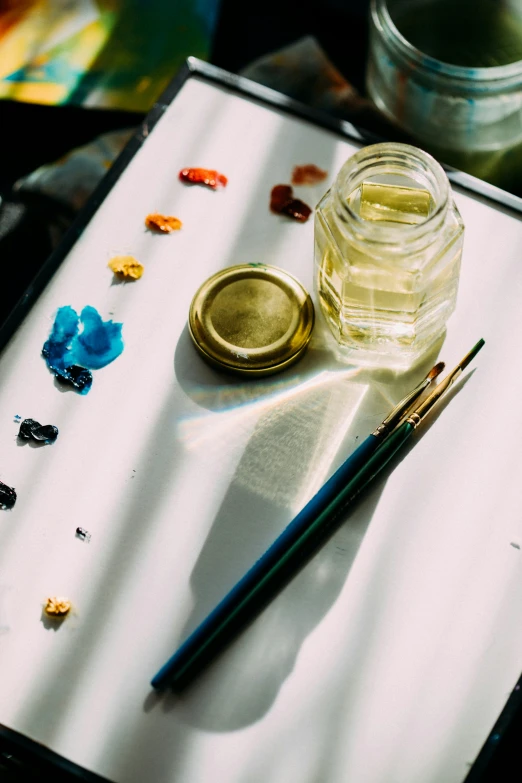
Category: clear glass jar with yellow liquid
[388,246]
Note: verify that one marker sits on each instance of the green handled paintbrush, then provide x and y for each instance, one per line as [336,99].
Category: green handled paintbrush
[288,553]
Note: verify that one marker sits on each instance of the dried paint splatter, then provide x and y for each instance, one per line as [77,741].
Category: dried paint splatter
[83,534]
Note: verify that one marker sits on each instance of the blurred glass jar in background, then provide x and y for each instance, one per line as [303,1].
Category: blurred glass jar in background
[449,72]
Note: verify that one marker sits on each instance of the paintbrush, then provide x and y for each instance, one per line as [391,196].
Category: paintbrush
[363,452]
[293,532]
[396,439]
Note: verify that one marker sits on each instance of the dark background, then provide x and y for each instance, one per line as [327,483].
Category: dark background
[33,135]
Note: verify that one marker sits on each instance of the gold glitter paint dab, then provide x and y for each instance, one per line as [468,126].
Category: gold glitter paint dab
[57,607]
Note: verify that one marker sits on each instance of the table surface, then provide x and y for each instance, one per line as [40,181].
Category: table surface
[391,654]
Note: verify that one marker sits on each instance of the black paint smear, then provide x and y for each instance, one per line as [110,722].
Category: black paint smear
[7,496]
[76,376]
[30,428]
[79,377]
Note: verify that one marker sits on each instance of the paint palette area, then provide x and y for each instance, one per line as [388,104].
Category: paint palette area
[138,483]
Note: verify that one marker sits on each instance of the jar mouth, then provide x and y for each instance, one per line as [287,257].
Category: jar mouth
[393,159]
[472,78]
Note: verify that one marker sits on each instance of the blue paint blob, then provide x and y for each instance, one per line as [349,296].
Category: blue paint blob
[99,343]
[78,344]
[64,330]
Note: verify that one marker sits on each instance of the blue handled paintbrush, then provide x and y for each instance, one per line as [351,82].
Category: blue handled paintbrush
[271,559]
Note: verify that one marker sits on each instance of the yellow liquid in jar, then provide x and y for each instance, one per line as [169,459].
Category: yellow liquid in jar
[391,203]
[383,304]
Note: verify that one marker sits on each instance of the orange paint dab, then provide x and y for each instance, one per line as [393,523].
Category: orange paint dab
[162,223]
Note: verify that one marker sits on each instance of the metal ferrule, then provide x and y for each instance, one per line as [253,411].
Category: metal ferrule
[401,409]
[414,419]
[426,405]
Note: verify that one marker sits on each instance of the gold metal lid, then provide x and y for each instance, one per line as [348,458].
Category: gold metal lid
[251,319]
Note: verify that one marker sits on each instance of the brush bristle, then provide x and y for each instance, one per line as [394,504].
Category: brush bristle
[435,371]
[471,355]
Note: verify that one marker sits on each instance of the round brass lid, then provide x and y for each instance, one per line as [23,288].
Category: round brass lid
[251,319]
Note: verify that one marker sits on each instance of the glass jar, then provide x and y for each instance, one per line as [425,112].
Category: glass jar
[449,72]
[387,288]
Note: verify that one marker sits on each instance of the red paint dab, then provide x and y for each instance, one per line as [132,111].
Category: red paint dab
[309,174]
[282,202]
[207,177]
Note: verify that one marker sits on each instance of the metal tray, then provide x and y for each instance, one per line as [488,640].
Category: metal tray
[395,653]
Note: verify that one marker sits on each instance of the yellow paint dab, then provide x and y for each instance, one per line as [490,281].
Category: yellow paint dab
[126,267]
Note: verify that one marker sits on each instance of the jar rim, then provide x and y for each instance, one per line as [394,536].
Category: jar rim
[474,78]
[386,234]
